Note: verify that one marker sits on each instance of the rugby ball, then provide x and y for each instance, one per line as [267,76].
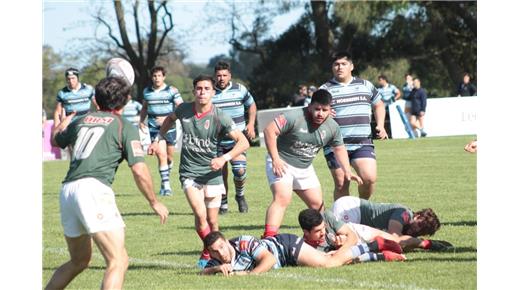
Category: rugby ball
[119,67]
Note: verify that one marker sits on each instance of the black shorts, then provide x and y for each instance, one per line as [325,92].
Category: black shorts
[289,247]
[362,152]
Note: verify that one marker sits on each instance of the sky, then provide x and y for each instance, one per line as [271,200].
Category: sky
[65,21]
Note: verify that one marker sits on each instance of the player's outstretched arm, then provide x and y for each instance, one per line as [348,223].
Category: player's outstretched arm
[271,133]
[342,156]
[264,262]
[225,269]
[144,183]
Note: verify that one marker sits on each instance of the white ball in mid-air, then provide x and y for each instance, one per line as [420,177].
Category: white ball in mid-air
[119,67]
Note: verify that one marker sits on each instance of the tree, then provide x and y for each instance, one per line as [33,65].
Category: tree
[150,39]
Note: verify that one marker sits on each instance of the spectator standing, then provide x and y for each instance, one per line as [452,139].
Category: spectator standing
[389,94]
[407,89]
[418,108]
[299,98]
[466,88]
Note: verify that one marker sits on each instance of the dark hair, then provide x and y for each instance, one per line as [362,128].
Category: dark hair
[466,74]
[425,222]
[408,74]
[203,78]
[159,68]
[309,218]
[211,238]
[72,71]
[221,65]
[322,97]
[341,54]
[383,77]
[112,93]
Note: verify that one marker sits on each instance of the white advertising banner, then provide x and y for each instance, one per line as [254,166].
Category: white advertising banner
[264,117]
[444,117]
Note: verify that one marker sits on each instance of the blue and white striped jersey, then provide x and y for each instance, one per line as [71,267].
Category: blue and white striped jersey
[131,112]
[234,100]
[78,101]
[247,248]
[353,105]
[161,103]
[388,94]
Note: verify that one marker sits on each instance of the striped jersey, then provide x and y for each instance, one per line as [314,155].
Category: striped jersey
[234,100]
[388,93]
[78,101]
[160,103]
[131,112]
[353,105]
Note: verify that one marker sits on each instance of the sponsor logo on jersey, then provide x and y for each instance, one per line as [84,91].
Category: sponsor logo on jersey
[137,148]
[206,125]
[280,121]
[98,120]
[323,133]
[302,130]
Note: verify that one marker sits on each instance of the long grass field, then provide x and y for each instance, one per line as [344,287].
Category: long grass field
[428,172]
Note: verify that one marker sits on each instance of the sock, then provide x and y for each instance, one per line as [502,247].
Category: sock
[165,177]
[359,250]
[204,232]
[270,231]
[239,176]
[170,166]
[369,256]
[223,202]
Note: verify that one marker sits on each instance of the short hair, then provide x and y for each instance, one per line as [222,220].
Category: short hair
[302,86]
[427,221]
[341,54]
[159,68]
[72,71]
[383,77]
[222,65]
[211,238]
[203,78]
[466,74]
[416,78]
[322,97]
[112,93]
[407,74]
[309,218]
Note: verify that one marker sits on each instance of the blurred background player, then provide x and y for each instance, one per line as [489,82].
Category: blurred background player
[418,101]
[353,100]
[101,140]
[132,112]
[310,92]
[75,97]
[203,127]
[389,94]
[299,98]
[407,89]
[293,139]
[159,101]
[234,99]
[466,88]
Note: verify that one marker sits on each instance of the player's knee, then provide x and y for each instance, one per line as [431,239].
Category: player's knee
[239,170]
[369,179]
[80,264]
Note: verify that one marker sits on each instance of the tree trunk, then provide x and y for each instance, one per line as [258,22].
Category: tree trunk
[322,29]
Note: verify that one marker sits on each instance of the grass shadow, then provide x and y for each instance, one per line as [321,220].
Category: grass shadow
[180,253]
[442,259]
[243,228]
[460,223]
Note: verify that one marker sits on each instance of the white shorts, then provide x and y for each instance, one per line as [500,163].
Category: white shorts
[347,209]
[88,206]
[364,233]
[298,178]
[212,193]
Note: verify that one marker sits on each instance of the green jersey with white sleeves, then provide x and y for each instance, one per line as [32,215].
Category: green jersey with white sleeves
[300,139]
[100,142]
[200,136]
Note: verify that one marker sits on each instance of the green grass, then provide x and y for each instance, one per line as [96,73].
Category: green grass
[429,172]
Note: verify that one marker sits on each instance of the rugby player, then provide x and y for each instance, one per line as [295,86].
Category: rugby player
[159,101]
[234,99]
[248,255]
[203,127]
[100,141]
[293,139]
[353,100]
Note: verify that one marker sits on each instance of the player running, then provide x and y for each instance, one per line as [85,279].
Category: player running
[100,141]
[160,100]
[203,127]
[392,218]
[248,255]
[234,99]
[293,139]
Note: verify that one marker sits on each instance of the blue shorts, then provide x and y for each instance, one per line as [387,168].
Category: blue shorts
[171,136]
[288,248]
[362,152]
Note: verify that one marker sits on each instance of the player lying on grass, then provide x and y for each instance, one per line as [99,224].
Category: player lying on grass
[248,255]
[394,219]
[293,140]
[203,127]
[326,233]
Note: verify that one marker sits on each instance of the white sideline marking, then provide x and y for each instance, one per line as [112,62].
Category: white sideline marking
[289,276]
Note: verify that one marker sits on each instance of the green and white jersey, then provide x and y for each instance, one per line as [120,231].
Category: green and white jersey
[332,226]
[300,140]
[100,141]
[377,215]
[200,136]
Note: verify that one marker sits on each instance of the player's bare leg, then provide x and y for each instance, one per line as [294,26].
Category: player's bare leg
[112,246]
[341,186]
[80,250]
[282,195]
[313,198]
[366,168]
[195,197]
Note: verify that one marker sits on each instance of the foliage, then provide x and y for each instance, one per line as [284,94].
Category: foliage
[164,256]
